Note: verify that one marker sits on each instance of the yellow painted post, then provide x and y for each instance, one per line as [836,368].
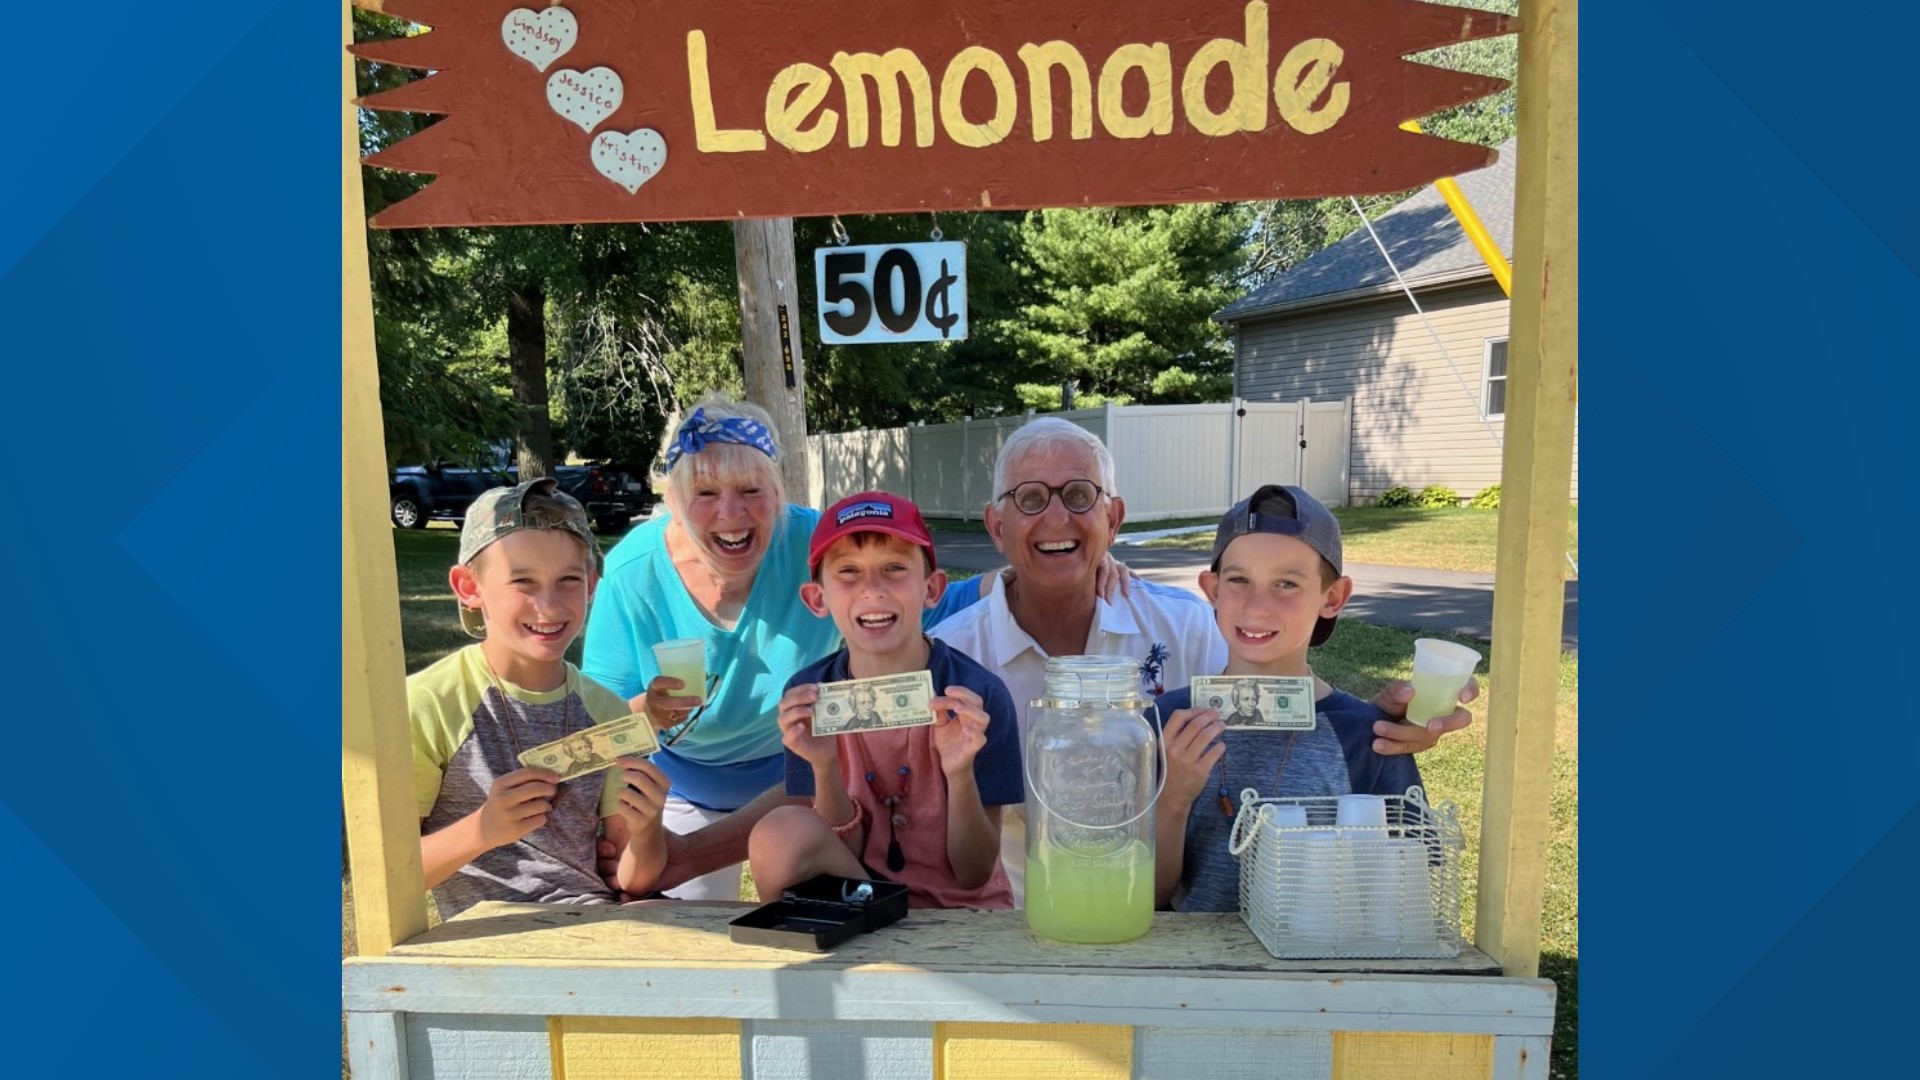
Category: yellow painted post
[1536,471]
[1470,223]
[376,768]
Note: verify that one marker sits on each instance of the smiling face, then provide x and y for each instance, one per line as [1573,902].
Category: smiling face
[1269,594]
[534,586]
[726,499]
[1056,549]
[874,586]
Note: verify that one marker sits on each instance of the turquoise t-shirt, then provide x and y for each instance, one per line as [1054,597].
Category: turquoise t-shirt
[733,751]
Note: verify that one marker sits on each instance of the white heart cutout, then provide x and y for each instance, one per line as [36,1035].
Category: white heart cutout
[585,97]
[540,37]
[631,159]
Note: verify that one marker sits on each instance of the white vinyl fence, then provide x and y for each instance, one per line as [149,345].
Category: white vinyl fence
[1169,461]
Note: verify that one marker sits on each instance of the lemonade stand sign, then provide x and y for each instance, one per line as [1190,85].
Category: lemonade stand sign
[608,110]
[657,110]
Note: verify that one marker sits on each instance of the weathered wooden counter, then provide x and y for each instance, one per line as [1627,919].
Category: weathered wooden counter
[525,990]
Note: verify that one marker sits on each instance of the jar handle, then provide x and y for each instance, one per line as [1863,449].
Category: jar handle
[1159,744]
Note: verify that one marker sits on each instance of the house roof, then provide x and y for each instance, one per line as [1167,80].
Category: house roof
[1421,233]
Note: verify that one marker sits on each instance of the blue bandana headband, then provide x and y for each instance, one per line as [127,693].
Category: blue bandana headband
[697,433]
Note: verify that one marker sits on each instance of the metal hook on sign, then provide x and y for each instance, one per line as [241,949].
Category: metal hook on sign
[840,232]
[937,234]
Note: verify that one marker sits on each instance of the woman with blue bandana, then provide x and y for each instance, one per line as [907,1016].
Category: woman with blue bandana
[724,565]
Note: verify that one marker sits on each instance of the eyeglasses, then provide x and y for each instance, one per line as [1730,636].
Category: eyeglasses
[680,730]
[1032,497]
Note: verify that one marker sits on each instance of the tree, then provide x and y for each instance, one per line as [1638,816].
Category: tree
[659,329]
[1120,296]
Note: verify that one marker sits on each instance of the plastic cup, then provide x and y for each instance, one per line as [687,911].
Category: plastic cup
[684,659]
[1309,887]
[1362,811]
[1440,670]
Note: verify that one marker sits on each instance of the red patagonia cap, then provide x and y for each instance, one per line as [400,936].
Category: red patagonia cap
[869,511]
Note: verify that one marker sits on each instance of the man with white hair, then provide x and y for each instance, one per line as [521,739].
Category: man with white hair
[1054,515]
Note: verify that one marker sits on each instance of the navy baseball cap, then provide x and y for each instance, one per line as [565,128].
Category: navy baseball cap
[1284,510]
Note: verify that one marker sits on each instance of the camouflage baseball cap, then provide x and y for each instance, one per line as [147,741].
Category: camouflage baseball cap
[502,510]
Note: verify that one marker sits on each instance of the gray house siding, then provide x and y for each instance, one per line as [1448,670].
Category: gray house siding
[1413,421]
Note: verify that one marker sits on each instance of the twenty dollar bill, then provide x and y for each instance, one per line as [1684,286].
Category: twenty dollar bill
[1257,702]
[888,701]
[592,749]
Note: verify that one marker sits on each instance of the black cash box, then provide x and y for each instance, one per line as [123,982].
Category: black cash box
[820,913]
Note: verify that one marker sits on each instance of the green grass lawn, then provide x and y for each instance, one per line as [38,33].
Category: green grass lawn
[1439,539]
[1359,658]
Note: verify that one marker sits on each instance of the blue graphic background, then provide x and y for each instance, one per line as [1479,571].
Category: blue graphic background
[167,285]
[1748,259]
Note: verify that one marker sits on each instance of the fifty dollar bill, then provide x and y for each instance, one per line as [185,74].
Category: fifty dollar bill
[1265,702]
[592,749]
[888,701]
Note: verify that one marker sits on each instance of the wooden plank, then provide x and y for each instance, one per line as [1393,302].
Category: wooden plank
[377,1046]
[1521,1057]
[383,830]
[1537,468]
[620,1048]
[821,1050]
[1054,1051]
[1366,1055]
[1161,1053]
[443,1047]
[936,940]
[886,992]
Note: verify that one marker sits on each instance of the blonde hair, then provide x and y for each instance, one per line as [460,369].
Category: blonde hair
[720,464]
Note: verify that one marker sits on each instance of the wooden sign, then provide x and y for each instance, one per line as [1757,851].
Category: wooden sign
[654,110]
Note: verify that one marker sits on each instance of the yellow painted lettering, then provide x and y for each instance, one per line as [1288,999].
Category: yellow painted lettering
[1305,74]
[1156,63]
[709,138]
[1248,65]
[1006,97]
[886,71]
[1040,61]
[787,115]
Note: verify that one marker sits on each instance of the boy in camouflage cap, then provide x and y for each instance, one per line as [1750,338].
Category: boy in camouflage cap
[490,828]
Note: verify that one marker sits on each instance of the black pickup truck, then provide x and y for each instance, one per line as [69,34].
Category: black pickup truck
[444,490]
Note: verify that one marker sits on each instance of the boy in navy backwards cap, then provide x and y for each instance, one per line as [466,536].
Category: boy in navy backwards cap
[1276,589]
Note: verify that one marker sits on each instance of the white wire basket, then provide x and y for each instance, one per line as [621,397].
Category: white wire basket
[1312,889]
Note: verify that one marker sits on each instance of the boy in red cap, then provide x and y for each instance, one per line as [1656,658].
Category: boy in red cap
[918,805]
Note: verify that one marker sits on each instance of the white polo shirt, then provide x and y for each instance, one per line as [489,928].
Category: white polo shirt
[1169,631]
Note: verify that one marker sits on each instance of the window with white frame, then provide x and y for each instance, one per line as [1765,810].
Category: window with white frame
[1493,394]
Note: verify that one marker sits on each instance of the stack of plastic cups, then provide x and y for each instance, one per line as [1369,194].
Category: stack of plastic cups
[1271,868]
[1364,870]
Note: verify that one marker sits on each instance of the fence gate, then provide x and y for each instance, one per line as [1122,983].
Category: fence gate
[1303,443]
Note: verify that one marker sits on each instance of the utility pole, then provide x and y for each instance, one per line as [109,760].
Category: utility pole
[770,339]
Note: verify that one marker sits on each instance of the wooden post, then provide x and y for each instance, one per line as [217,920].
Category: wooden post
[1536,471]
[376,768]
[775,378]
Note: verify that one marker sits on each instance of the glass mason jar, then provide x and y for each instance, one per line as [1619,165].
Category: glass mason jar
[1091,765]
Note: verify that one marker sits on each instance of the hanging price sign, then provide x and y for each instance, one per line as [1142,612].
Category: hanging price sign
[892,292]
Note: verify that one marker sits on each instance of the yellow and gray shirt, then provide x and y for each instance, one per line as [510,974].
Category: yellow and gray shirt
[466,735]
